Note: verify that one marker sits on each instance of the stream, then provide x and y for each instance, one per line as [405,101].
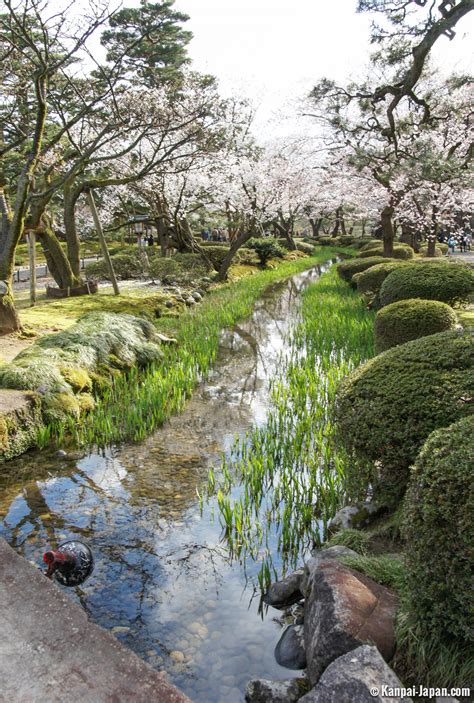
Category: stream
[163,582]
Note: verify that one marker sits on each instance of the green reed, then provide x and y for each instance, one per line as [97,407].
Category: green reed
[290,470]
[139,402]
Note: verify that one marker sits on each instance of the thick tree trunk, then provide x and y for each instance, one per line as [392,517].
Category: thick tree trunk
[315,226]
[387,229]
[57,261]
[338,222]
[9,320]
[72,238]
[236,244]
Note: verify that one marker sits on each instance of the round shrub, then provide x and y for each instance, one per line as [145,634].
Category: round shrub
[424,251]
[370,244]
[327,241]
[164,268]
[405,320]
[387,407]
[372,278]
[125,266]
[438,527]
[346,240]
[360,243]
[347,269]
[266,249]
[218,253]
[445,282]
[400,251]
[305,248]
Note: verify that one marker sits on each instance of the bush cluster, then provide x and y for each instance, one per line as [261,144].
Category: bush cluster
[445,281]
[400,251]
[439,531]
[387,407]
[266,249]
[347,269]
[370,280]
[127,265]
[438,251]
[410,319]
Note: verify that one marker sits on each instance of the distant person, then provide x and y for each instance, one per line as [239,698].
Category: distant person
[452,244]
[150,240]
[462,243]
[205,235]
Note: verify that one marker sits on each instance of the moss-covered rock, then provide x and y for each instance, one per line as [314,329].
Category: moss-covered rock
[443,281]
[439,530]
[387,407]
[406,320]
[20,420]
[79,379]
[347,269]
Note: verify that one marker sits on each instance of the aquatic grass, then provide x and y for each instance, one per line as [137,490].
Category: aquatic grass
[290,472]
[139,402]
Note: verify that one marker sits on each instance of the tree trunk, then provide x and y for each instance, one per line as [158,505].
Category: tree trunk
[9,320]
[236,244]
[58,263]
[315,226]
[387,230]
[337,223]
[72,239]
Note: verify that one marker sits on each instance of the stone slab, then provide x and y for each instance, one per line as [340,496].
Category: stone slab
[50,650]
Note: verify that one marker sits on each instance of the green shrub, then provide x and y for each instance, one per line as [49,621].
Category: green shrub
[439,531]
[405,320]
[438,251]
[266,249]
[125,266]
[193,263]
[165,269]
[327,241]
[358,540]
[370,280]
[445,282]
[387,407]
[400,251]
[360,243]
[347,269]
[305,248]
[218,253]
[370,244]
[346,240]
[385,569]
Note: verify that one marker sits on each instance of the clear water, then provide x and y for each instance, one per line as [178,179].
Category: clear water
[163,582]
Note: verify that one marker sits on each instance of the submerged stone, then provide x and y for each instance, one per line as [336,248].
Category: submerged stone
[290,650]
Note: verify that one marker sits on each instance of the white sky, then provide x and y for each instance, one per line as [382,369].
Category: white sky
[273,51]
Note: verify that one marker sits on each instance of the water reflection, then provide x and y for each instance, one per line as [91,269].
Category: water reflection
[163,582]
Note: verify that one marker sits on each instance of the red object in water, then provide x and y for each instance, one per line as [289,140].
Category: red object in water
[70,564]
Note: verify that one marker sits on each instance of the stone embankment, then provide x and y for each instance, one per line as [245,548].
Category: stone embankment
[50,651]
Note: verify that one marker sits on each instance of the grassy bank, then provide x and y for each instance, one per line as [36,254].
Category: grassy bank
[140,401]
[289,471]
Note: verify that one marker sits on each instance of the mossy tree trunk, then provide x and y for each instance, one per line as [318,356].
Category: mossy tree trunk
[315,225]
[71,195]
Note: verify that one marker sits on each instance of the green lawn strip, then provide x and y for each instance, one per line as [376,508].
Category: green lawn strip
[140,401]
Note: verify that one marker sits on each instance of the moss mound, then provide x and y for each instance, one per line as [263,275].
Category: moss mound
[438,251]
[445,282]
[400,251]
[406,320]
[64,367]
[327,241]
[387,407]
[370,280]
[439,530]
[347,269]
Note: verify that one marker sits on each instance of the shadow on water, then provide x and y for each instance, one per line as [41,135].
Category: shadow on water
[163,582]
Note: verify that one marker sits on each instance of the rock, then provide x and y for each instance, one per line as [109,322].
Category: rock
[290,650]
[201,292]
[197,296]
[264,691]
[169,304]
[354,677]
[320,555]
[61,453]
[177,656]
[344,609]
[286,592]
[354,517]
[190,301]
[164,339]
[120,630]
[297,613]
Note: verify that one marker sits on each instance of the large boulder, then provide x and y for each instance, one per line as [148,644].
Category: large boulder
[360,676]
[264,691]
[20,419]
[286,592]
[354,517]
[290,650]
[344,609]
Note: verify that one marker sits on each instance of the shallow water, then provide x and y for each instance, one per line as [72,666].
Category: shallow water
[163,582]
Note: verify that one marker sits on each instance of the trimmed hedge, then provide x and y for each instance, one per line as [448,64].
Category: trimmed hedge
[424,251]
[129,265]
[266,249]
[387,407]
[360,243]
[327,241]
[410,319]
[372,278]
[347,269]
[439,531]
[346,240]
[446,282]
[400,251]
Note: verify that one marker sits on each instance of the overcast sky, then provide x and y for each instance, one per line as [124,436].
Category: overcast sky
[274,50]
